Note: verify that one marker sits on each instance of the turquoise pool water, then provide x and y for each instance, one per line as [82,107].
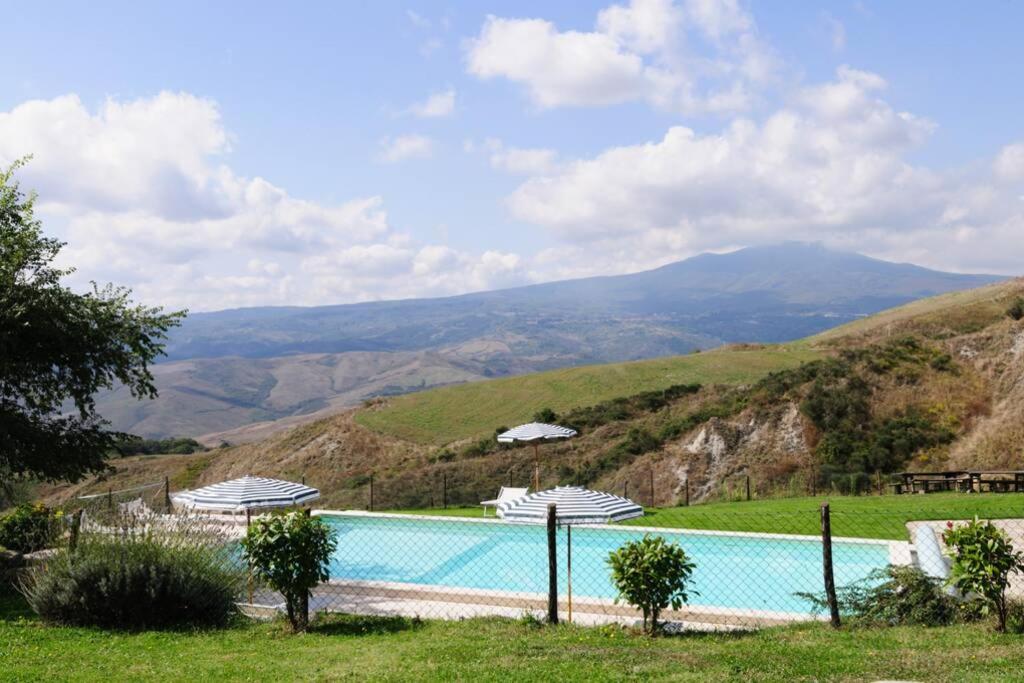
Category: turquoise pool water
[735,571]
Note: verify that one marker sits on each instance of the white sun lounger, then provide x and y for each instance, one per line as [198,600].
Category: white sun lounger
[506,494]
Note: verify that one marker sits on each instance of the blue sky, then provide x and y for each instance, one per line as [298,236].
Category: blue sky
[221,154]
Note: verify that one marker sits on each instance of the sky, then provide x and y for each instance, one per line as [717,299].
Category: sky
[217,155]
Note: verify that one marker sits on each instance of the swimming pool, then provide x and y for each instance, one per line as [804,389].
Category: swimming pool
[739,571]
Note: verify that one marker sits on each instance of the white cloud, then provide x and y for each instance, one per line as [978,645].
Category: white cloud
[143,195]
[516,160]
[405,147]
[437,105]
[834,31]
[644,26]
[832,166]
[637,51]
[1009,163]
[417,20]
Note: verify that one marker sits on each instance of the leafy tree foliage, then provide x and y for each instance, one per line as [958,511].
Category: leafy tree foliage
[651,574]
[983,560]
[58,348]
[291,553]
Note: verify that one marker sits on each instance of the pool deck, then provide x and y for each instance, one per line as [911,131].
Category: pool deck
[381,598]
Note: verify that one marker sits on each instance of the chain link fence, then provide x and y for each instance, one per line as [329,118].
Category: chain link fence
[758,563]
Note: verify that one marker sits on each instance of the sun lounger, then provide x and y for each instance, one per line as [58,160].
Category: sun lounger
[506,494]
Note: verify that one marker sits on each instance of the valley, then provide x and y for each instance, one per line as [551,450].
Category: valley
[936,383]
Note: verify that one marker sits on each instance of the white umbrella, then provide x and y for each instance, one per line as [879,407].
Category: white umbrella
[534,433]
[246,494]
[575,505]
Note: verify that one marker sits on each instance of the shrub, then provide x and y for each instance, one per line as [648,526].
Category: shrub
[894,596]
[138,577]
[173,446]
[545,415]
[983,560]
[651,574]
[29,528]
[291,553]
[1016,309]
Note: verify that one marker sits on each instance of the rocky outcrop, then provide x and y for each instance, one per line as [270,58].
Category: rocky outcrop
[764,446]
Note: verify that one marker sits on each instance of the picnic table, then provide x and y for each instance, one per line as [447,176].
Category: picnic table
[964,481]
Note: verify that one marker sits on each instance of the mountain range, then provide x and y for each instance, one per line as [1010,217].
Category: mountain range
[227,371]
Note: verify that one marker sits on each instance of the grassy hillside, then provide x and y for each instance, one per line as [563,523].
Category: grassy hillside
[932,385]
[472,410]
[955,312]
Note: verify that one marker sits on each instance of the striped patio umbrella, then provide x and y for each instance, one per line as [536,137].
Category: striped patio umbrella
[575,505]
[246,494]
[534,433]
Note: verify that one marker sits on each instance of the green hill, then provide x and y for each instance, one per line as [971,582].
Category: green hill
[454,413]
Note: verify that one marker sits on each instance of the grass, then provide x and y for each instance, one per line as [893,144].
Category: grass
[385,649]
[968,309]
[454,413]
[855,516]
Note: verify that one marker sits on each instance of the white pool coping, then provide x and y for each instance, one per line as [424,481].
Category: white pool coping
[615,527]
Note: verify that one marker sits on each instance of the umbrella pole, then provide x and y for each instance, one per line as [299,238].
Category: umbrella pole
[536,468]
[248,521]
[568,549]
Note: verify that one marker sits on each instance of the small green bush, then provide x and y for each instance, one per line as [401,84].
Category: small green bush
[894,596]
[30,528]
[138,579]
[290,552]
[651,574]
[983,560]
[545,415]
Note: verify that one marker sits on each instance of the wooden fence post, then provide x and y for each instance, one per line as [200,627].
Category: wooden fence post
[625,489]
[826,550]
[110,499]
[552,565]
[371,492]
[167,494]
[687,490]
[76,527]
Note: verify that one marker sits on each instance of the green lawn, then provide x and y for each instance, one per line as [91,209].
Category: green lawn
[498,650]
[859,516]
[440,416]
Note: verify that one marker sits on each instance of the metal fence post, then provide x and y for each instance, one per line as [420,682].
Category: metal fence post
[748,488]
[167,493]
[826,550]
[552,566]
[687,490]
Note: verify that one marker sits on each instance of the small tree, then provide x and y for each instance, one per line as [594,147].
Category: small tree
[291,553]
[983,560]
[651,574]
[58,349]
